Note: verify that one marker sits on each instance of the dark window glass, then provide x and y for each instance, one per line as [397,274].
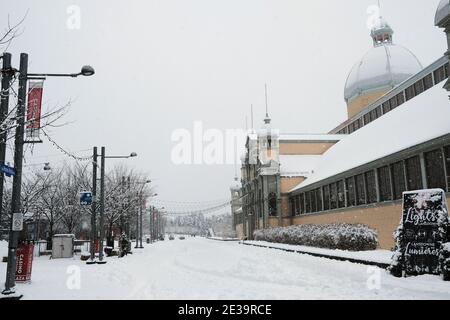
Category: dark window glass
[386,107]
[384,183]
[447,163]
[413,173]
[439,75]
[333,196]
[410,93]
[393,103]
[373,114]
[297,205]
[371,187]
[446,67]
[307,202]
[302,203]
[398,179]
[428,82]
[378,112]
[319,199]
[272,204]
[350,128]
[360,190]
[434,165]
[340,194]
[400,99]
[351,195]
[312,196]
[326,198]
[292,206]
[419,87]
[367,118]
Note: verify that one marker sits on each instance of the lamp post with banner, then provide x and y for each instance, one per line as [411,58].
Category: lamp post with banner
[34,105]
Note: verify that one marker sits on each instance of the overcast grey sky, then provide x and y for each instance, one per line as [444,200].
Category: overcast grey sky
[163,64]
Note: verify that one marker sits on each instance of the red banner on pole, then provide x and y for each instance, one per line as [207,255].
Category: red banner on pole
[34,109]
[24,262]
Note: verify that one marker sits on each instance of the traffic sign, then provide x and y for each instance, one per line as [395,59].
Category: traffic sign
[17,221]
[85,198]
[7,170]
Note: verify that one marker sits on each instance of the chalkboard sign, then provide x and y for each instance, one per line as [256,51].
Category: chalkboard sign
[424,215]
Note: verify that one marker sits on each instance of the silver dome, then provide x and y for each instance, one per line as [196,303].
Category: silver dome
[442,13]
[383,67]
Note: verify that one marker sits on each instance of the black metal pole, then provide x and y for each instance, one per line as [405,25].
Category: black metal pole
[151,223]
[102,206]
[94,205]
[122,223]
[17,181]
[157,226]
[4,106]
[137,225]
[140,222]
[128,218]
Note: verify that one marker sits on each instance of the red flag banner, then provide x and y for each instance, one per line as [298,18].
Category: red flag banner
[24,262]
[34,109]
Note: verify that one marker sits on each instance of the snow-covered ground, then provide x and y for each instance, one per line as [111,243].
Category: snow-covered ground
[198,268]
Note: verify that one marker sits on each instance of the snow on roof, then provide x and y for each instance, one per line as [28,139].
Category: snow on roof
[311,137]
[298,165]
[421,119]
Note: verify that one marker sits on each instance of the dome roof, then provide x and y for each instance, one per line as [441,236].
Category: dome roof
[442,12]
[383,67]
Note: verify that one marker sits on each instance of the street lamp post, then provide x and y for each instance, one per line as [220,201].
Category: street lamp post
[4,105]
[102,197]
[24,76]
[93,206]
[139,215]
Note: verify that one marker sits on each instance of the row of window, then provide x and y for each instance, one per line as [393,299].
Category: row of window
[385,183]
[417,88]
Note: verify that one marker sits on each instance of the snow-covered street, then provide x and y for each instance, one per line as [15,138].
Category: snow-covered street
[198,268]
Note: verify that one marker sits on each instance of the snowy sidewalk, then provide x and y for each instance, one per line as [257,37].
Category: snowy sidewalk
[198,268]
[379,258]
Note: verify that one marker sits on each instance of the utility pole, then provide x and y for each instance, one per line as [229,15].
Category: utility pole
[102,206]
[4,106]
[94,206]
[17,181]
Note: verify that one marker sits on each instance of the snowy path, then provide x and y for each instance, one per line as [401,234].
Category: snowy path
[198,268]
